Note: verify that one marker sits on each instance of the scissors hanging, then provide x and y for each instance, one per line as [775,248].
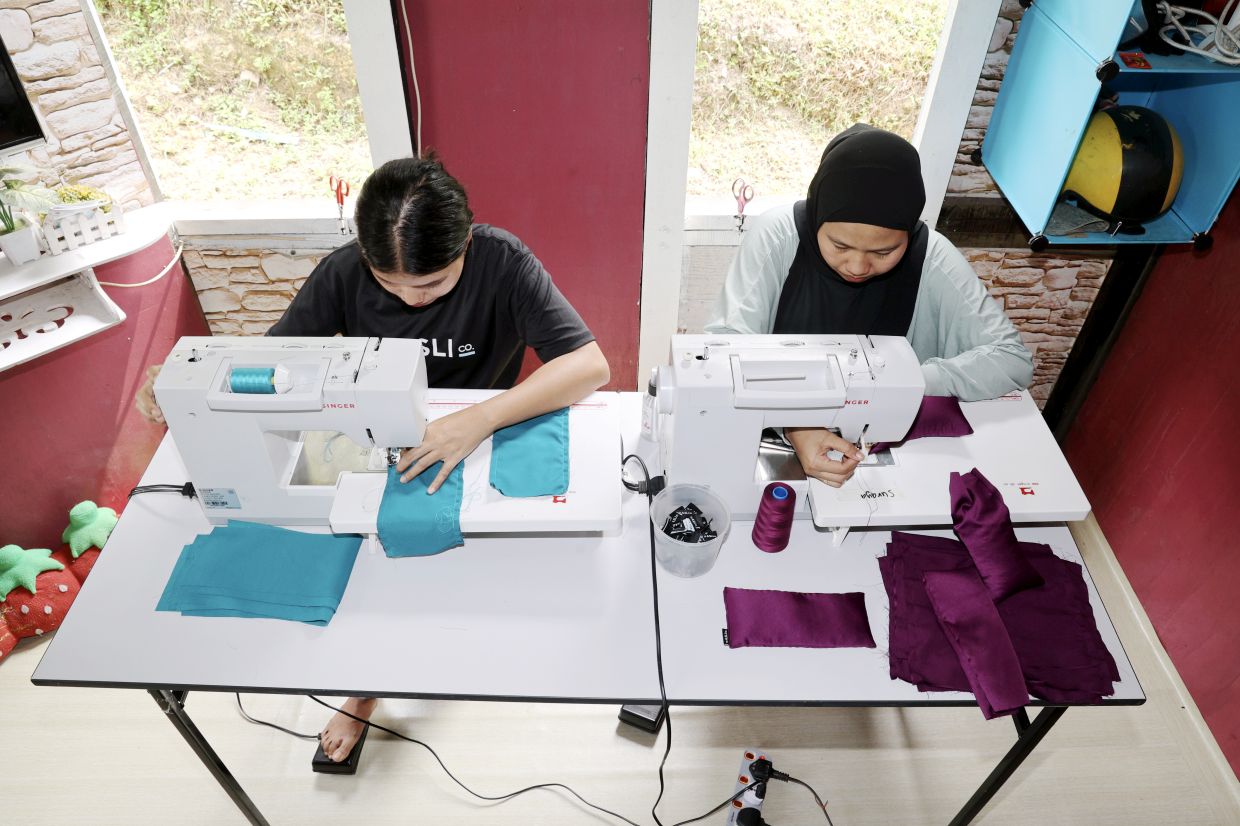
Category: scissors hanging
[340,187]
[743,192]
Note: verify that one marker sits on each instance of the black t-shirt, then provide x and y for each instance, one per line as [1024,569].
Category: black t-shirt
[475,336]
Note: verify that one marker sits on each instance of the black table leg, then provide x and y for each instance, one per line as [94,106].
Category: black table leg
[172,703]
[1028,735]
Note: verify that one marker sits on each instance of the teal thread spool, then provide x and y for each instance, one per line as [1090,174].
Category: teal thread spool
[252,380]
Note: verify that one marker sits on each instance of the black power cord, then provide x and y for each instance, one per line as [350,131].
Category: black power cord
[489,798]
[259,722]
[761,770]
[186,490]
[648,486]
[720,806]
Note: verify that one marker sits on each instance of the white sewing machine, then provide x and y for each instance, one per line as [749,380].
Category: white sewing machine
[720,392]
[300,431]
[240,408]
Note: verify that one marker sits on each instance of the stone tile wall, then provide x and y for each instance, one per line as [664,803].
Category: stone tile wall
[1047,297]
[244,292]
[59,64]
[969,178]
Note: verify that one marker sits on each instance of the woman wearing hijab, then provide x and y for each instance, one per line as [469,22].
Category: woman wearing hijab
[854,257]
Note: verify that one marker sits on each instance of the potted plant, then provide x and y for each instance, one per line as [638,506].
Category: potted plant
[18,238]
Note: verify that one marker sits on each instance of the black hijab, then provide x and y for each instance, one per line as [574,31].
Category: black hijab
[866,176]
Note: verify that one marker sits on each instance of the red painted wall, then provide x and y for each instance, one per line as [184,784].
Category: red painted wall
[539,109]
[1157,449]
[70,430]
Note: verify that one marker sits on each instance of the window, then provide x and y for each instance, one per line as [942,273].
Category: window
[776,79]
[241,99]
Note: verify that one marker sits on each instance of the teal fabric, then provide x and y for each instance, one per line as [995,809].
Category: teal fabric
[413,523]
[244,569]
[530,458]
[967,346]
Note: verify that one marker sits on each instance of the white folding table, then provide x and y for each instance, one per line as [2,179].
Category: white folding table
[555,618]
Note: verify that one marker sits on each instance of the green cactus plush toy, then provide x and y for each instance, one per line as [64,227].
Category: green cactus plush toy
[88,530]
[89,527]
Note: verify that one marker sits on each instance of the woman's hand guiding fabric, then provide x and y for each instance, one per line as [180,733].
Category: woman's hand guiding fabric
[812,445]
[449,440]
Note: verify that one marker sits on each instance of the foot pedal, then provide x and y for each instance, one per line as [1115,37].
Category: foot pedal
[746,810]
[325,765]
[646,718]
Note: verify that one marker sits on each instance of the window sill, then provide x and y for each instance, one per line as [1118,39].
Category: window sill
[708,221]
[312,220]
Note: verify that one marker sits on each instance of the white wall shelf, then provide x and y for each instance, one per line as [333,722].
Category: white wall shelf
[56,300]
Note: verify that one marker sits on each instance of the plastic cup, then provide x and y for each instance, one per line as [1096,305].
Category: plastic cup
[688,559]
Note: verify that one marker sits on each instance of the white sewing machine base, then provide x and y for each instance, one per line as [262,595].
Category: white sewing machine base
[592,503]
[1010,445]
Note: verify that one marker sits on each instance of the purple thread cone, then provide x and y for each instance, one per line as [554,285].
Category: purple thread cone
[773,524]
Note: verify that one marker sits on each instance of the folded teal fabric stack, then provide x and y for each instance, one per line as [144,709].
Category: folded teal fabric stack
[244,569]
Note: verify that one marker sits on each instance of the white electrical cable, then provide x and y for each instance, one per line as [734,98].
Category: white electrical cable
[413,73]
[1215,41]
[176,257]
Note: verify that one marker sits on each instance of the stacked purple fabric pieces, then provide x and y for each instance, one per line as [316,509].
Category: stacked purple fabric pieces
[1051,627]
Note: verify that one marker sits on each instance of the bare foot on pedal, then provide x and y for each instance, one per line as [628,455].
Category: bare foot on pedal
[341,733]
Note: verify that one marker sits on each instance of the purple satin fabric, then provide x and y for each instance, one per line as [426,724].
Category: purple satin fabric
[984,525]
[937,416]
[788,619]
[976,633]
[1051,628]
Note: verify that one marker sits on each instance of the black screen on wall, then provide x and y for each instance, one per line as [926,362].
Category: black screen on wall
[18,124]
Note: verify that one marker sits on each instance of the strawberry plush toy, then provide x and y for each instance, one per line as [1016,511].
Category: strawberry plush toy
[35,594]
[7,640]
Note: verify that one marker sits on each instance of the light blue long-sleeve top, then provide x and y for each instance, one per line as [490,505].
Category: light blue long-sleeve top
[967,345]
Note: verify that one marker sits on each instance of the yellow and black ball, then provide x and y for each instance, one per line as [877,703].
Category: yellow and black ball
[1129,165]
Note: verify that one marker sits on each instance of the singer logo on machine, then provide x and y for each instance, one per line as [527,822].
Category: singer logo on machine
[338,405]
[857,401]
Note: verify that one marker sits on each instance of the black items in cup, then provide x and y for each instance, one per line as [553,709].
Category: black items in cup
[688,524]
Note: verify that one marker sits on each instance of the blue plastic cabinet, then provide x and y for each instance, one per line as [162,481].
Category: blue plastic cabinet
[1064,52]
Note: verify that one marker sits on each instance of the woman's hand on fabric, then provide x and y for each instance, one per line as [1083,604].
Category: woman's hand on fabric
[145,400]
[448,440]
[812,445]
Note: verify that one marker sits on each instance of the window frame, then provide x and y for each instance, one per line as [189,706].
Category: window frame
[374,38]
